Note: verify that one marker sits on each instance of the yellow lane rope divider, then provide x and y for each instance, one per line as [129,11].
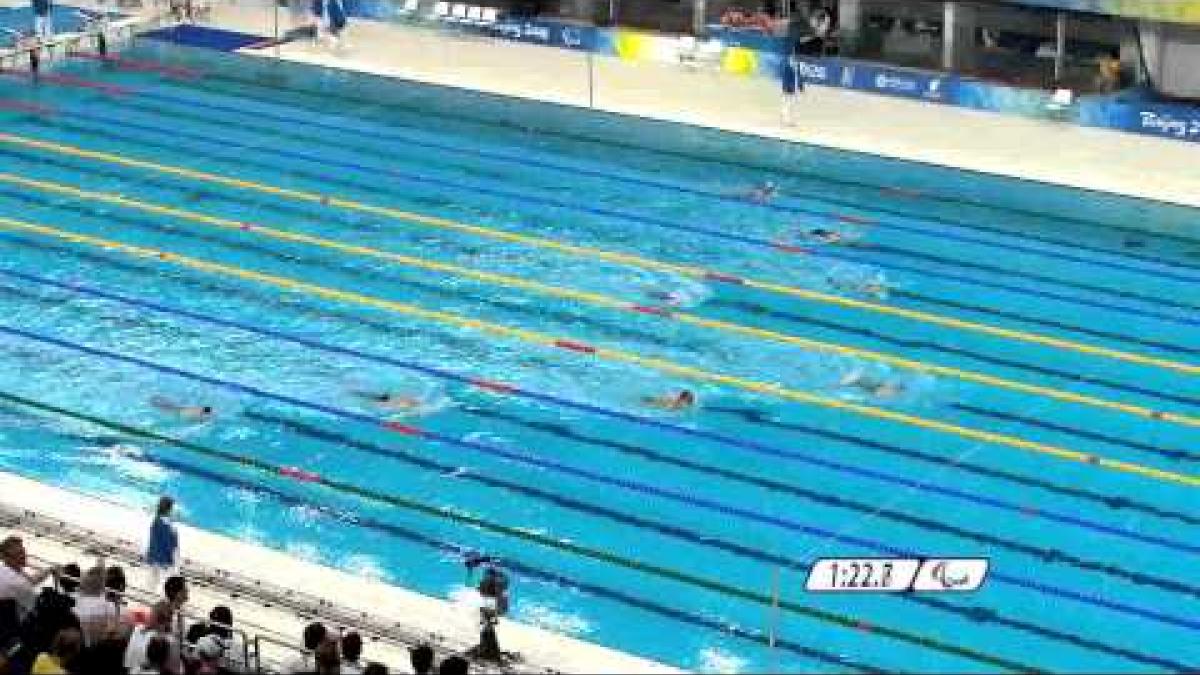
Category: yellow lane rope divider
[608,256]
[596,299]
[615,355]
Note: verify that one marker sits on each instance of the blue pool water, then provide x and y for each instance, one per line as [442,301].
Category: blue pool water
[405,242]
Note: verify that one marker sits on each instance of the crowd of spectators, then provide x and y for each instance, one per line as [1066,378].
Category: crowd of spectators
[82,624]
[760,19]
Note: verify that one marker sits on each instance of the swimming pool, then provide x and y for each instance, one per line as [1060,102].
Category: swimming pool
[270,239]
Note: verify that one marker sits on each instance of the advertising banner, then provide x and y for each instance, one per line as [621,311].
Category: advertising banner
[550,33]
[1177,121]
[915,84]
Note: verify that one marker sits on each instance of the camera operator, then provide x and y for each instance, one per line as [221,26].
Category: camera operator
[493,590]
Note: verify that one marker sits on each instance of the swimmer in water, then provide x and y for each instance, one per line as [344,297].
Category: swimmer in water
[672,298]
[679,401]
[872,288]
[873,387]
[824,236]
[191,413]
[390,401]
[763,193]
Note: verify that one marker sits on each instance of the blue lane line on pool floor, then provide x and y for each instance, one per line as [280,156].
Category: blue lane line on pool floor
[1075,431]
[359,273]
[388,331]
[745,445]
[847,254]
[783,523]
[80,113]
[388,133]
[337,439]
[752,416]
[759,309]
[341,440]
[282,207]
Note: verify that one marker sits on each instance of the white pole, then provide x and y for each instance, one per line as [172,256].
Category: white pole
[1060,53]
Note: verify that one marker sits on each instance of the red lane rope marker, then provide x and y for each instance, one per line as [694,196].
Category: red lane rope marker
[789,248]
[492,385]
[299,474]
[401,428]
[142,65]
[575,346]
[69,81]
[25,106]
[645,309]
[857,220]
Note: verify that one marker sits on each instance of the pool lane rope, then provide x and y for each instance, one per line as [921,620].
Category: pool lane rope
[615,355]
[600,254]
[900,294]
[392,134]
[851,254]
[580,550]
[632,486]
[597,299]
[505,389]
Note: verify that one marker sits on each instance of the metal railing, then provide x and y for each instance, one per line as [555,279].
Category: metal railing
[95,27]
[134,596]
[232,584]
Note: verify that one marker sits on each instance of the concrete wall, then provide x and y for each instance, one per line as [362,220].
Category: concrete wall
[1180,66]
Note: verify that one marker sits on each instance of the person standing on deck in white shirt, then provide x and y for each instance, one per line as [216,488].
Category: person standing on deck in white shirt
[15,584]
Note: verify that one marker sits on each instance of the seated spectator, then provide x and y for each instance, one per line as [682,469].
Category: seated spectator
[454,665]
[115,585]
[209,656]
[328,658]
[1108,77]
[52,612]
[218,631]
[15,584]
[219,623]
[68,581]
[105,656]
[10,623]
[175,591]
[421,658]
[157,627]
[98,617]
[314,636]
[351,653]
[156,658]
[63,655]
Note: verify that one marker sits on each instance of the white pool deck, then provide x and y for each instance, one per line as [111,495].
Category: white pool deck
[1090,158]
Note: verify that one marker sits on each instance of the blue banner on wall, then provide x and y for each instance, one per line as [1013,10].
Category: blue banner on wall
[934,87]
[542,32]
[1177,121]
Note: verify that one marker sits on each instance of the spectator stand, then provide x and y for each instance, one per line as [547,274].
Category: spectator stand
[254,596]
